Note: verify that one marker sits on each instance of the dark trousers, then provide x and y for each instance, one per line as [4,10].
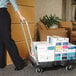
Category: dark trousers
[6,41]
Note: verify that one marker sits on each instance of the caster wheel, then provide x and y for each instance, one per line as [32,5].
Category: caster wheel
[39,70]
[69,67]
[32,64]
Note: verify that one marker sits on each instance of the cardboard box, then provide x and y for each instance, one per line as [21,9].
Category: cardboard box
[71,52]
[43,51]
[61,46]
[59,42]
[53,40]
[56,39]
[34,48]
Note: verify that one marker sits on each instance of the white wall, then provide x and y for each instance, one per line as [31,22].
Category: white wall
[48,7]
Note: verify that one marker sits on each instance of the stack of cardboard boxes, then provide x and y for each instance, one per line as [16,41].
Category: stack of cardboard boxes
[61,46]
[55,48]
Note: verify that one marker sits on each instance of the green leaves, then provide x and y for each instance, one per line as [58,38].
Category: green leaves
[50,20]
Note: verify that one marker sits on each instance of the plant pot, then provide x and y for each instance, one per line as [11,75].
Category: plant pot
[54,26]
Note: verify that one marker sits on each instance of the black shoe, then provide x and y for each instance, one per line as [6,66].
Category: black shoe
[19,68]
[25,63]
[1,67]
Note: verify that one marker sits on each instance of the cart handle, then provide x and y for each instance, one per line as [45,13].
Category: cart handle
[25,35]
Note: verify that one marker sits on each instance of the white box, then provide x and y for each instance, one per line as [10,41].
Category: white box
[64,43]
[71,52]
[43,51]
[58,46]
[34,48]
[60,42]
[61,46]
[53,40]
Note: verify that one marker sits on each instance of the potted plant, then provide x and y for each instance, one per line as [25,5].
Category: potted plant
[50,21]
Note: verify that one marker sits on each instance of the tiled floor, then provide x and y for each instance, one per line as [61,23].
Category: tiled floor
[30,71]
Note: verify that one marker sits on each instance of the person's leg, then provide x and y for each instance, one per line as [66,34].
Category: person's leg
[2,50]
[8,42]
[2,55]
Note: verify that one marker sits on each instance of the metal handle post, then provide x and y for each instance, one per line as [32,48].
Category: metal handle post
[26,37]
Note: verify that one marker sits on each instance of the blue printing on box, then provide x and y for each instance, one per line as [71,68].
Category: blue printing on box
[36,47]
[71,47]
[57,56]
[72,56]
[51,48]
[65,43]
[64,54]
[59,43]
[49,40]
